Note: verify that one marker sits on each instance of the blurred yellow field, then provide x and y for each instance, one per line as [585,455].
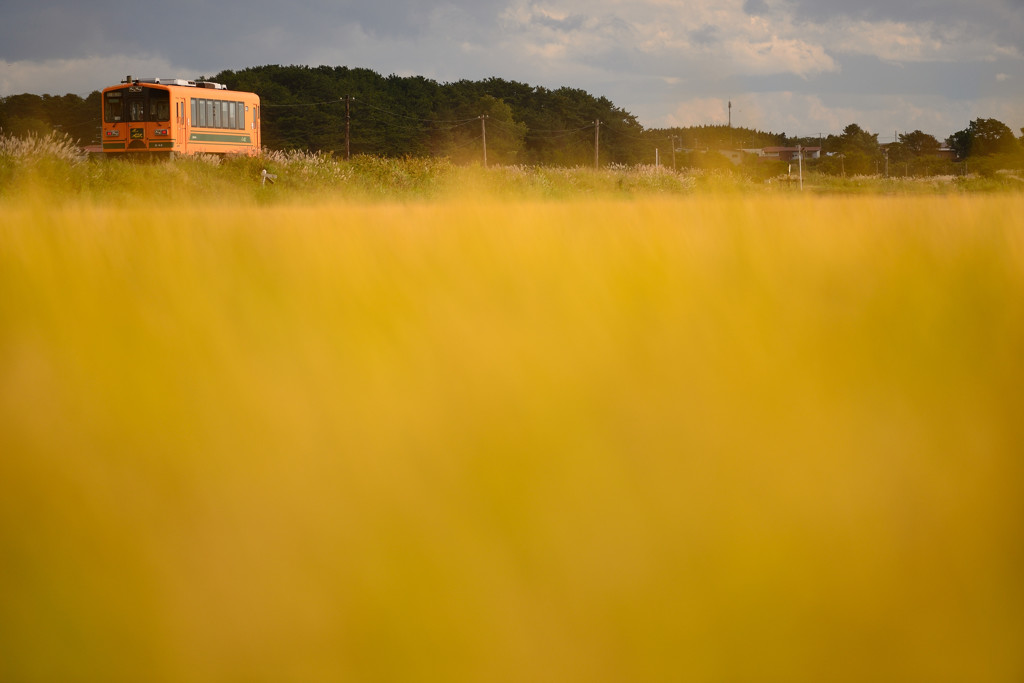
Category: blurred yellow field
[680,439]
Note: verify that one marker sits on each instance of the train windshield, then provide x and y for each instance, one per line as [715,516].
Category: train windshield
[159,106]
[113,107]
[136,109]
[145,104]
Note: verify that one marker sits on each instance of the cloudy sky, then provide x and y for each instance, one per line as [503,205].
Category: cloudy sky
[803,67]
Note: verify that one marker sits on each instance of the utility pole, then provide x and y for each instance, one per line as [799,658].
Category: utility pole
[597,141]
[800,161]
[348,126]
[672,139]
[483,131]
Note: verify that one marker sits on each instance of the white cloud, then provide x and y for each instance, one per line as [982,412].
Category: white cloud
[887,40]
[780,55]
[923,41]
[667,33]
[83,76]
[698,111]
[793,113]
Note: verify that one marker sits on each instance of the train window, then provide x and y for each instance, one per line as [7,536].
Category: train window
[159,105]
[220,114]
[113,107]
[136,110]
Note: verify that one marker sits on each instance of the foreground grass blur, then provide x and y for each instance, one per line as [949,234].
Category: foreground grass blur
[762,439]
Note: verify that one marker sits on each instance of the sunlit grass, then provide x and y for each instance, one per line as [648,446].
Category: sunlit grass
[52,170]
[709,439]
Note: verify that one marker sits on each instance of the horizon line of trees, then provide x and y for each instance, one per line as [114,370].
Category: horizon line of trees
[308,108]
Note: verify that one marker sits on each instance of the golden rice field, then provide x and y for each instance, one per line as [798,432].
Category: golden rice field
[759,438]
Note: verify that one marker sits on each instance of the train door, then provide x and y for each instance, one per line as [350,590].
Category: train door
[256,128]
[181,127]
[135,107]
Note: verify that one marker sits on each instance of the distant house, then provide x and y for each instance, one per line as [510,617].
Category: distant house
[733,155]
[786,154]
[789,153]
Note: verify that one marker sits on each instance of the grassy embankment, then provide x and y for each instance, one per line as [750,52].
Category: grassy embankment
[54,170]
[686,437]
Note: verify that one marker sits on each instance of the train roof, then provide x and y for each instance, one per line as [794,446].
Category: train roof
[174,81]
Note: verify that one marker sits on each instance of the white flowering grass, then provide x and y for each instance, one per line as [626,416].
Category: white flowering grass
[30,148]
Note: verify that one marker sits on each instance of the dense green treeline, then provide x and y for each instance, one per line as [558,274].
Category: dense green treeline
[395,116]
[305,108]
[26,114]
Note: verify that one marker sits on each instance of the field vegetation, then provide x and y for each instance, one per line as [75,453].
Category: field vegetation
[54,169]
[405,420]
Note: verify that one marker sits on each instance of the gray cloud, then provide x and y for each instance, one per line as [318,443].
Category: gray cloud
[876,10]
[997,21]
[756,7]
[567,24]
[207,31]
[705,35]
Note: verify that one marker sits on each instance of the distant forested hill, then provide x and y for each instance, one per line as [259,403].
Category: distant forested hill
[305,107]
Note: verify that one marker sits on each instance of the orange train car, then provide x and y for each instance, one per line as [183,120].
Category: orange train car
[171,116]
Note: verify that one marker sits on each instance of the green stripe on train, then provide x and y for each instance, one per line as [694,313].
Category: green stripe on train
[220,137]
[113,145]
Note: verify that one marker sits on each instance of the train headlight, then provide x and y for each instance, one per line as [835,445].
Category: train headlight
[113,133]
[160,131]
